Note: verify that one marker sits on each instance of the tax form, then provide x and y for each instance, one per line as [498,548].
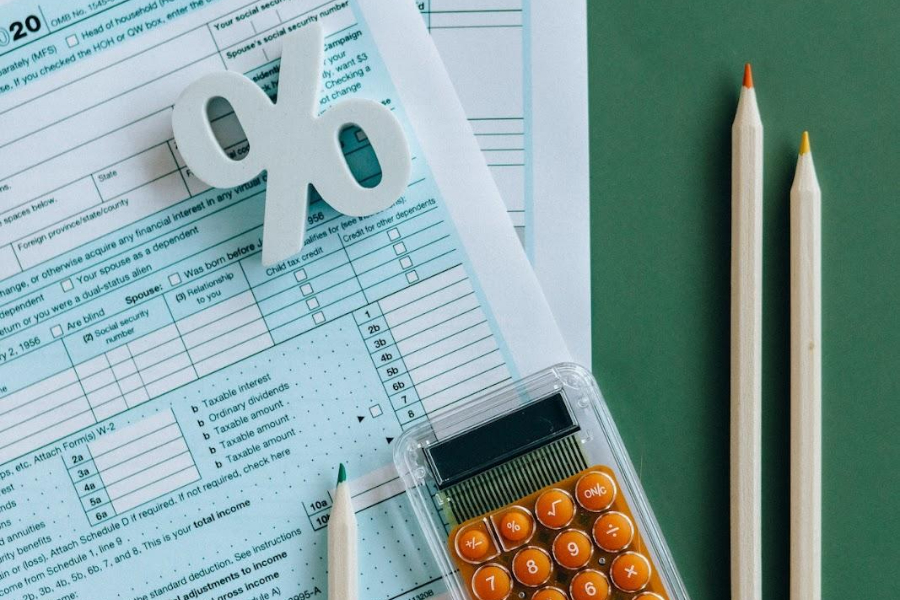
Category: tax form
[171,411]
[520,69]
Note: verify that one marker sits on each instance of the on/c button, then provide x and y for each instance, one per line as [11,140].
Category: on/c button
[595,491]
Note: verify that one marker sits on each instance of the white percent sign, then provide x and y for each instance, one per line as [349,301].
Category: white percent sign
[291,143]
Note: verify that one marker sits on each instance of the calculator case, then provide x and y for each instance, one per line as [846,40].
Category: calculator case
[426,482]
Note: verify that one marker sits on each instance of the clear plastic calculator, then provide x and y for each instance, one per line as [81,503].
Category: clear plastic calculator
[527,493]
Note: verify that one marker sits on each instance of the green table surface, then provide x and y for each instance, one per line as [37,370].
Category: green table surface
[664,82]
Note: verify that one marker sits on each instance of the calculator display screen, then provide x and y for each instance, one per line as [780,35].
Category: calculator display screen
[505,438]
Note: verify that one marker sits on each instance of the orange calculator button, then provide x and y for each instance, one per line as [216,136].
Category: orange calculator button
[590,585]
[548,593]
[572,549]
[595,491]
[491,582]
[473,544]
[555,509]
[532,566]
[613,531]
[648,596]
[516,525]
[630,571]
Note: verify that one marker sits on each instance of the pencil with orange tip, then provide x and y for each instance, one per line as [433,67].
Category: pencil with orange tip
[806,379]
[746,345]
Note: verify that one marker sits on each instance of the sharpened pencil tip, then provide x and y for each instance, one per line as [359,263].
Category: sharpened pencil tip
[804,143]
[748,76]
[342,474]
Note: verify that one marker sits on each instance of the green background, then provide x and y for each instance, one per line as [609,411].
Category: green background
[664,82]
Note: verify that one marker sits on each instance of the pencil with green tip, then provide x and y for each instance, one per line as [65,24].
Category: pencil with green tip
[342,552]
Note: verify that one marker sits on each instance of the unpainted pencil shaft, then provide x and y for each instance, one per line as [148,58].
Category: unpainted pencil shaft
[746,347]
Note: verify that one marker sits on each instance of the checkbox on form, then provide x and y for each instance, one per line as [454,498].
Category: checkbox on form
[67,285]
[72,41]
[56,330]
[174,279]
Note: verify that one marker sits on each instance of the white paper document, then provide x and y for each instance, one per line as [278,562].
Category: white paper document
[172,413]
[520,69]
[558,232]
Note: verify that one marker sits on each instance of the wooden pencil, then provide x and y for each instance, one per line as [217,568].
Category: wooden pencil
[806,379]
[343,569]
[746,345]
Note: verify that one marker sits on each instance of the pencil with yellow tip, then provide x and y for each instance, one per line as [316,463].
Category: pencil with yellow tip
[806,379]
[746,345]
[343,573]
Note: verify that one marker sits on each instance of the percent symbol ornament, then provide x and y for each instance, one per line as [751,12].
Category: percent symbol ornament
[295,146]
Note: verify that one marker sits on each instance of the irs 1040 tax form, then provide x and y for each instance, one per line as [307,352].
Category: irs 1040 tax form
[171,411]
